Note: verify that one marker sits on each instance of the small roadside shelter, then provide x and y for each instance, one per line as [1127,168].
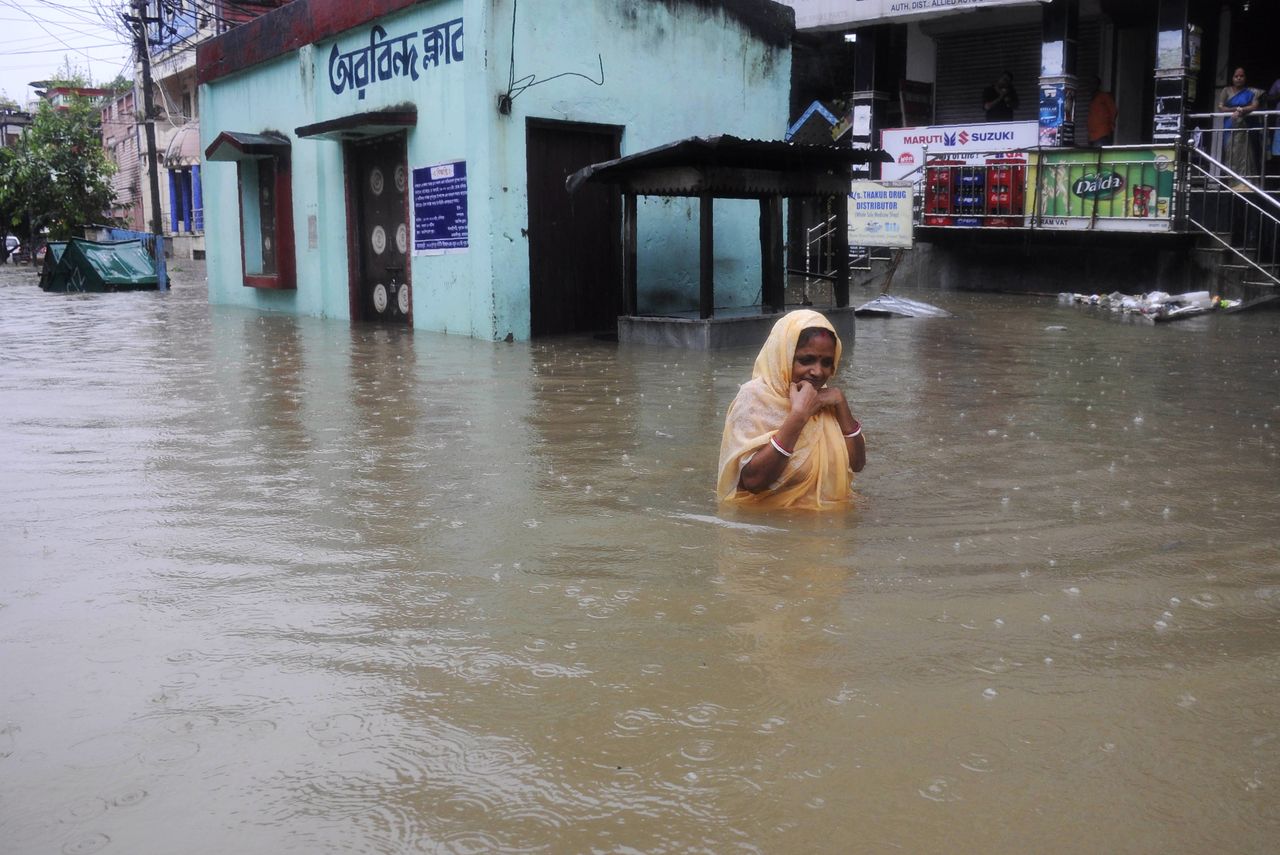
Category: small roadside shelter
[727,167]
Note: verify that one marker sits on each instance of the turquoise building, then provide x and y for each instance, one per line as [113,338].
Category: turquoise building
[404,162]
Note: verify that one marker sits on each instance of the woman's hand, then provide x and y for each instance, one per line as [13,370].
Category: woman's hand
[832,397]
[829,396]
[806,401]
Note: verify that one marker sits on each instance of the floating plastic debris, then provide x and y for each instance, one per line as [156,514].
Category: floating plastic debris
[888,306]
[1156,305]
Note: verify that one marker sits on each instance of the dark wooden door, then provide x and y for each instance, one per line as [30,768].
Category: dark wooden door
[379,186]
[574,240]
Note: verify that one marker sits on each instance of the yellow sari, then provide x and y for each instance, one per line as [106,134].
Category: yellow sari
[817,475]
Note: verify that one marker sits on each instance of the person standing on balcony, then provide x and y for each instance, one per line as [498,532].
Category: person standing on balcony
[1239,100]
[1102,116]
[1000,99]
[1272,99]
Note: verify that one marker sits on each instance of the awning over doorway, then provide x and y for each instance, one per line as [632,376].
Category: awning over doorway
[238,145]
[359,126]
[183,148]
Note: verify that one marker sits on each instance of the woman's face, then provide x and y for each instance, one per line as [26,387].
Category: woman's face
[815,361]
[1238,78]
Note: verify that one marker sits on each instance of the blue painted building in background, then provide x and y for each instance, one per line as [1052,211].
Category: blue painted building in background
[404,162]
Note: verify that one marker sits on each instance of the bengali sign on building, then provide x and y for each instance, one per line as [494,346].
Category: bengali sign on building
[440,208]
[880,213]
[959,143]
[381,57]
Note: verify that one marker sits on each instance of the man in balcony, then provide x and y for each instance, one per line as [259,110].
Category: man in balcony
[1102,116]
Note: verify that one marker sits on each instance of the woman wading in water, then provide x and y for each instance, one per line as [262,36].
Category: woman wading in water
[790,441]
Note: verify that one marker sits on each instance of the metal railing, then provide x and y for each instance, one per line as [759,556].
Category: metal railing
[820,255]
[1170,187]
[1227,198]
[819,250]
[1244,152]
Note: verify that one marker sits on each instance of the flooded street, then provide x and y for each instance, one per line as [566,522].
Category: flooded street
[273,585]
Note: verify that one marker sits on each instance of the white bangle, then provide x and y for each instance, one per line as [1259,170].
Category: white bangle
[778,448]
[857,430]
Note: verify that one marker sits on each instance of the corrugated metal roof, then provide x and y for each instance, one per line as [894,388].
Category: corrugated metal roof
[729,166]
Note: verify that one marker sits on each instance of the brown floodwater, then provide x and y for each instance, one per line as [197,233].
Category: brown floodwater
[276,585]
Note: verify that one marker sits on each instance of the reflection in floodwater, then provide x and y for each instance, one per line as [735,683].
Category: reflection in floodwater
[274,585]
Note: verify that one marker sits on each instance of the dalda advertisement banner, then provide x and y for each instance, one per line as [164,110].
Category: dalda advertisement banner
[1105,190]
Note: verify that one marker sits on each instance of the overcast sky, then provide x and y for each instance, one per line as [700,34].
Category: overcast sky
[35,35]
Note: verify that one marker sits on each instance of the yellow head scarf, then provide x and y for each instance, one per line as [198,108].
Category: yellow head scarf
[817,475]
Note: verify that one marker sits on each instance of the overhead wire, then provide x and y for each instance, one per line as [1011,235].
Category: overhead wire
[64,24]
[66,28]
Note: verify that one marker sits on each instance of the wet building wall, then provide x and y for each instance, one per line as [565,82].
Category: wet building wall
[655,72]
[295,90]
[1036,262]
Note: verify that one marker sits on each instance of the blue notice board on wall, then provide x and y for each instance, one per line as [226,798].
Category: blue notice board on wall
[440,208]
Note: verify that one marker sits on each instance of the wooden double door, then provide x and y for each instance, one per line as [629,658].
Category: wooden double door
[378,187]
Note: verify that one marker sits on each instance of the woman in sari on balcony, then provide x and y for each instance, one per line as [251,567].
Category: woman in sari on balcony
[1239,150]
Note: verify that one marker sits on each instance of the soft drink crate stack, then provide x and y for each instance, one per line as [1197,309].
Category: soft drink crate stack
[1006,190]
[971,200]
[940,192]
[957,193]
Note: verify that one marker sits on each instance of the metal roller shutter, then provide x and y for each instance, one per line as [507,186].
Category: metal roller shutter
[969,61]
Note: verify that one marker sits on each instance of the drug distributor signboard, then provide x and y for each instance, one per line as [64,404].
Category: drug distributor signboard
[880,213]
[955,142]
[1129,189]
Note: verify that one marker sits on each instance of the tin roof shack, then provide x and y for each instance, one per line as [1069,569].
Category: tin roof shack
[727,168]
[410,157]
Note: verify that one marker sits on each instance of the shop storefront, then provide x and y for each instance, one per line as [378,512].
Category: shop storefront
[1005,192]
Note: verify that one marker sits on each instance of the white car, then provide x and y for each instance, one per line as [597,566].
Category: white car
[11,243]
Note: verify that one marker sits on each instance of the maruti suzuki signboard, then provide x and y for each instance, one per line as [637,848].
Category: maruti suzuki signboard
[956,142]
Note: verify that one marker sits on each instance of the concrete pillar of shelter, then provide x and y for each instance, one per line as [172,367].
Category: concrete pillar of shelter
[1177,50]
[772,260]
[706,256]
[1059,34]
[630,232]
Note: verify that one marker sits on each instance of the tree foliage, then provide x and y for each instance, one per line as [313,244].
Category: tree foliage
[58,177]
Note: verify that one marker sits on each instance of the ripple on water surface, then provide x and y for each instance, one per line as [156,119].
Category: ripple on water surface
[373,591]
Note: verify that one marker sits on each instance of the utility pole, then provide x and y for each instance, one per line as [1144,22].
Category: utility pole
[139,21]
